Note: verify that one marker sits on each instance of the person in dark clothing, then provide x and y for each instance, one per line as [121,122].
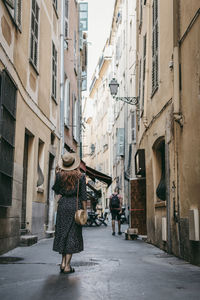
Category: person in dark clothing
[115,206]
[68,235]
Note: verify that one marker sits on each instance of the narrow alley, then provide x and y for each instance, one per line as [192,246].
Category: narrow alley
[109,268]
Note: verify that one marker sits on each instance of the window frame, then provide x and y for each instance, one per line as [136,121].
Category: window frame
[67,103]
[144,69]
[155,47]
[54,72]
[34,54]
[15,11]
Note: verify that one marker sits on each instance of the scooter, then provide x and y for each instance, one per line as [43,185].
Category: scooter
[92,219]
[123,218]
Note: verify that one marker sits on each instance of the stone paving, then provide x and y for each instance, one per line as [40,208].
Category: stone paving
[109,268]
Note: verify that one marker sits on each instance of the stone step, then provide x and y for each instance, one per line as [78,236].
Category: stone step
[49,233]
[28,240]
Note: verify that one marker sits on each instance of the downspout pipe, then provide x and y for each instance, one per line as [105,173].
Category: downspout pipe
[62,24]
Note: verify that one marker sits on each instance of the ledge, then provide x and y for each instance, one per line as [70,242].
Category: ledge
[160,204]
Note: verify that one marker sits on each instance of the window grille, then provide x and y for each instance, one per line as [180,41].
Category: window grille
[34,33]
[54,71]
[7,137]
[155,46]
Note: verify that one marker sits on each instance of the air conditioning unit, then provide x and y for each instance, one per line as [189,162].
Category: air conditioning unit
[194,224]
[164,229]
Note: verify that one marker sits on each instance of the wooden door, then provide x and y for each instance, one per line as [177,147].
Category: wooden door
[138,205]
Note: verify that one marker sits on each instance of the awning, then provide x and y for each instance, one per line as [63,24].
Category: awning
[94,174]
[96,192]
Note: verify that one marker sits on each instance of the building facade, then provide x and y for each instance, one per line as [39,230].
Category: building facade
[167,82]
[112,124]
[41,65]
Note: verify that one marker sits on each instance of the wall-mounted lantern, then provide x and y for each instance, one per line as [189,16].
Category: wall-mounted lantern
[114,85]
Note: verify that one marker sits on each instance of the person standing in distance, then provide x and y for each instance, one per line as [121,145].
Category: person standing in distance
[115,209]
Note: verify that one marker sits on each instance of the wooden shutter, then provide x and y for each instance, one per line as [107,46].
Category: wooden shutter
[139,88]
[7,137]
[120,142]
[155,45]
[144,69]
[54,71]
[133,127]
[34,33]
[11,3]
[67,103]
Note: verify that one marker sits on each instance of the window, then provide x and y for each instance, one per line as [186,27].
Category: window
[141,13]
[40,179]
[54,71]
[133,127]
[118,50]
[66,19]
[159,163]
[34,33]
[155,46]
[139,86]
[75,119]
[67,102]
[144,69]
[15,9]
[83,16]
[7,137]
[75,56]
[120,141]
[55,3]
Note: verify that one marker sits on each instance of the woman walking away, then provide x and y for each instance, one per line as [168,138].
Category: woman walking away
[69,183]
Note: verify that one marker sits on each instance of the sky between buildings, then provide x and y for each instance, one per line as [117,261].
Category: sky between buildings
[100,14]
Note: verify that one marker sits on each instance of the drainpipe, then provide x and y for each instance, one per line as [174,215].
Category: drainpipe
[62,23]
[177,112]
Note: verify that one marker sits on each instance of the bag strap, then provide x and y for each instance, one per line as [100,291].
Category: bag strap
[77,196]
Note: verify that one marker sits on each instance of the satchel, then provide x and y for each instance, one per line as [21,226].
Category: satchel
[80,214]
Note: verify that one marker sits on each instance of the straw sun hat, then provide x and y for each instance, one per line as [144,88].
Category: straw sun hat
[69,161]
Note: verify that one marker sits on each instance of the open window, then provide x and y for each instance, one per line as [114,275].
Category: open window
[159,169]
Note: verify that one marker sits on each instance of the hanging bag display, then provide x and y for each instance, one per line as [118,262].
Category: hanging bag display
[80,214]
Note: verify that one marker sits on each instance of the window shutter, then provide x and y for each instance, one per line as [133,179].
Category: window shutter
[7,137]
[67,103]
[66,29]
[155,45]
[139,88]
[144,69]
[34,33]
[120,142]
[19,13]
[54,71]
[133,127]
[11,3]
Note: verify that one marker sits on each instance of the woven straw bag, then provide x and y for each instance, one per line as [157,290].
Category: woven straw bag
[80,214]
